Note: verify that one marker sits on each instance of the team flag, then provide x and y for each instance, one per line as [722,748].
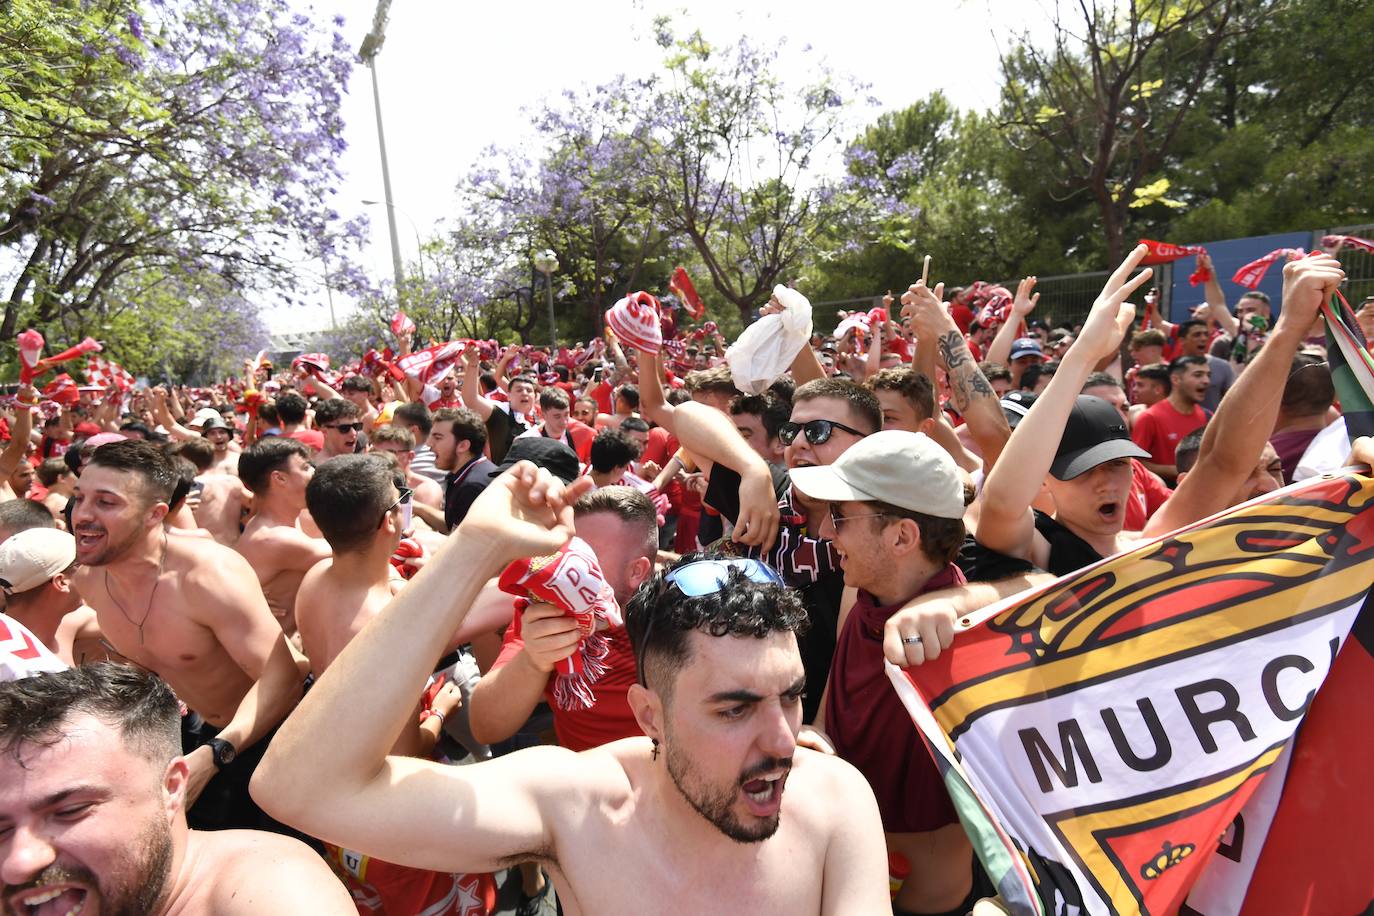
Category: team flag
[1122,740]
[680,285]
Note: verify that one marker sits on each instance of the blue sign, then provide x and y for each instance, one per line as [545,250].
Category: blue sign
[1228,257]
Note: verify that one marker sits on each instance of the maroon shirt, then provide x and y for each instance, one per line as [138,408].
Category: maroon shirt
[871,729]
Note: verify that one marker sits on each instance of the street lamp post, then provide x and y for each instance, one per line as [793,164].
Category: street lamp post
[546,262]
[372,44]
[419,247]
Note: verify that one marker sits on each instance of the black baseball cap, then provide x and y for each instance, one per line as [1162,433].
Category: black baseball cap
[1095,434]
[1015,405]
[551,454]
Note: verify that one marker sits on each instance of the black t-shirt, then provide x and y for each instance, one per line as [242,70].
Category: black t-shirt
[502,428]
[462,487]
[1068,552]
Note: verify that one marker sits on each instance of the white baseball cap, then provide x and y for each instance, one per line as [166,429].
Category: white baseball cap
[903,469]
[32,557]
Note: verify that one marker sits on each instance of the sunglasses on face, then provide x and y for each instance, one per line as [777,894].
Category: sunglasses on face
[816,431]
[403,500]
[347,427]
[707,577]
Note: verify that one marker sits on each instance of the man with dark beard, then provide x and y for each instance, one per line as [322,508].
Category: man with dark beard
[715,809]
[92,811]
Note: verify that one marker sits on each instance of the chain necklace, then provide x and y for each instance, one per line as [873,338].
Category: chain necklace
[161,563]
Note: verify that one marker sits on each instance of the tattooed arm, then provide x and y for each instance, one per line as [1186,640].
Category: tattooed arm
[973,395]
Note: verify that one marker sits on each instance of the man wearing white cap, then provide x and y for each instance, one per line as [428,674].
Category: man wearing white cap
[35,574]
[896,506]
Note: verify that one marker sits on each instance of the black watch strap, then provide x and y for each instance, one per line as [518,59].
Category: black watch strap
[224,752]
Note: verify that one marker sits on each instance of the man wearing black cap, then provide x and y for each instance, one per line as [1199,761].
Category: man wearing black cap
[1083,445]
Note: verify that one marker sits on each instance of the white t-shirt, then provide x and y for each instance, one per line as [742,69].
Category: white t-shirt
[21,654]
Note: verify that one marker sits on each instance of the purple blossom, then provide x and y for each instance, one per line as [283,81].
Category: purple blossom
[135,26]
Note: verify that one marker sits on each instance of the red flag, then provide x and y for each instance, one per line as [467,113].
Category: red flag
[1251,274]
[401,325]
[1164,252]
[1337,242]
[432,362]
[63,390]
[681,286]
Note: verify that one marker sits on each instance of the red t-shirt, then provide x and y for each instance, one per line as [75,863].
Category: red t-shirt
[871,728]
[1148,493]
[313,438]
[661,446]
[610,718]
[1160,428]
[602,392]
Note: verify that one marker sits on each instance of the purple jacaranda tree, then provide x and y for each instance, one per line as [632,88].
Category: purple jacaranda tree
[201,137]
[739,157]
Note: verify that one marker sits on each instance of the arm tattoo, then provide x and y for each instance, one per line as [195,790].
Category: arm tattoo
[966,380]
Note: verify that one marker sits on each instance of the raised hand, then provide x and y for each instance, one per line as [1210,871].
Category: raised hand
[1307,283]
[1111,314]
[1025,303]
[926,311]
[526,512]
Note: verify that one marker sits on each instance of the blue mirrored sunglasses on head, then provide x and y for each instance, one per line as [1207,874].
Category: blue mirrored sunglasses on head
[707,577]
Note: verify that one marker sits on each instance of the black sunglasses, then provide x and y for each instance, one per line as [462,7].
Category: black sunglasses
[816,431]
[345,427]
[403,499]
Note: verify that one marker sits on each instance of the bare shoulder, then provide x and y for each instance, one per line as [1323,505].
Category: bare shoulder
[251,871]
[827,789]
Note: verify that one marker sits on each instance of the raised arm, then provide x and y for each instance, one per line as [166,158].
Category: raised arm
[1021,306]
[472,385]
[163,413]
[973,395]
[1006,522]
[652,400]
[709,436]
[1216,299]
[1235,437]
[467,819]
[20,433]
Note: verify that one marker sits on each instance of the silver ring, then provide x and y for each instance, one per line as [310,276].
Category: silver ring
[911,640]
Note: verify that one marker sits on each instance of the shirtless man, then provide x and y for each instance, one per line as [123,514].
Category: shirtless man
[60,481]
[222,496]
[35,572]
[357,505]
[92,811]
[186,608]
[659,824]
[277,471]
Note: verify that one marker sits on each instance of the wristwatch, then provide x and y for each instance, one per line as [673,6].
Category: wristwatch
[223,751]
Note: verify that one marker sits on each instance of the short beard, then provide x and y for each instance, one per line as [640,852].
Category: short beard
[717,806]
[144,884]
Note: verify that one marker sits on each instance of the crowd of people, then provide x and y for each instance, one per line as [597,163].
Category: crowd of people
[607,623]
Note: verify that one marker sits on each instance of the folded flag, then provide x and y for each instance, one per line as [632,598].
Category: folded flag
[433,361]
[635,321]
[571,580]
[1335,243]
[1251,274]
[401,325]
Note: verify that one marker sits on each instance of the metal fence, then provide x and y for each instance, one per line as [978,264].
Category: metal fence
[1358,265]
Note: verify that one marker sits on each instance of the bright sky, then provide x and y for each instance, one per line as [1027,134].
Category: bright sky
[457,77]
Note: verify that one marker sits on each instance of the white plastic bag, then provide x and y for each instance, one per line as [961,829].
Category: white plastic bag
[768,346]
